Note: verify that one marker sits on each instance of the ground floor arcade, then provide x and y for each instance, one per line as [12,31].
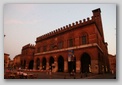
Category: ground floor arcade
[80,60]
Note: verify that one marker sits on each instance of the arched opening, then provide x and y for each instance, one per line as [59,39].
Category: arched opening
[24,64]
[85,63]
[37,64]
[72,64]
[60,64]
[31,64]
[51,62]
[44,63]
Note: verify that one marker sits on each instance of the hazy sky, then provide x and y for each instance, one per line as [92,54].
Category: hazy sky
[23,23]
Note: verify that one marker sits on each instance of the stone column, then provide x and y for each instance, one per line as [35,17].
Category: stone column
[40,66]
[65,66]
[78,66]
[94,66]
[47,65]
[34,68]
[26,66]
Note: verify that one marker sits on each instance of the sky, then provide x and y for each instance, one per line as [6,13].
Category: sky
[23,23]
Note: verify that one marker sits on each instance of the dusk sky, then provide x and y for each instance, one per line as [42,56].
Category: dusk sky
[23,23]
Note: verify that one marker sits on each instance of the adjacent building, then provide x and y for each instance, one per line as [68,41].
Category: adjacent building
[27,56]
[6,60]
[17,61]
[112,63]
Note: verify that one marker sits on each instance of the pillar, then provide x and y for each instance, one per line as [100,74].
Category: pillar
[94,66]
[34,68]
[65,66]
[40,66]
[47,65]
[78,66]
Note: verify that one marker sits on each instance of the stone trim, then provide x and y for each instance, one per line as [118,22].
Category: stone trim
[75,47]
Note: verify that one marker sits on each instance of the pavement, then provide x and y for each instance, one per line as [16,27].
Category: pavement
[60,75]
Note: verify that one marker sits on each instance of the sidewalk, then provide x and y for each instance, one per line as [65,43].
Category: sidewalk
[102,76]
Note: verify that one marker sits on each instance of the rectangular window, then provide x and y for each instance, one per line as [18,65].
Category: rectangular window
[60,45]
[70,42]
[44,48]
[51,47]
[83,39]
[38,50]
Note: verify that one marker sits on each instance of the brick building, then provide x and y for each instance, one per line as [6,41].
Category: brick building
[6,60]
[112,63]
[27,56]
[17,61]
[78,46]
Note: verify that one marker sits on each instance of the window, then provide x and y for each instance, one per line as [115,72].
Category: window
[44,48]
[51,47]
[70,42]
[84,40]
[38,49]
[60,45]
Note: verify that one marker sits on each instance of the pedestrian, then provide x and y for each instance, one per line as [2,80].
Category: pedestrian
[50,74]
[112,72]
[25,75]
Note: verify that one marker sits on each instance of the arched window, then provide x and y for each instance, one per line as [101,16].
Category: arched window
[44,48]
[84,38]
[38,50]
[70,42]
[60,45]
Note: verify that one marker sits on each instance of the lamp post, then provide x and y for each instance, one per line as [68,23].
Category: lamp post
[73,61]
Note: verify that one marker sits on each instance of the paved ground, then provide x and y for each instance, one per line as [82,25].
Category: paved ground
[58,75]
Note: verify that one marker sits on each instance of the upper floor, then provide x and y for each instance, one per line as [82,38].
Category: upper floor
[83,32]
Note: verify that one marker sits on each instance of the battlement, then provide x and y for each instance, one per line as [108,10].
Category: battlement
[74,25]
[17,56]
[28,46]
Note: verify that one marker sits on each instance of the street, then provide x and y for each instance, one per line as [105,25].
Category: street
[60,75]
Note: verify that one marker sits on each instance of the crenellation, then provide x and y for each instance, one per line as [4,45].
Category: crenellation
[56,30]
[88,19]
[76,22]
[64,27]
[84,20]
[61,28]
[69,25]
[49,33]
[92,17]
[80,21]
[73,24]
[28,46]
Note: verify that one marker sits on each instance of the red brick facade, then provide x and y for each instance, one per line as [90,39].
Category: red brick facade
[27,56]
[112,63]
[6,60]
[78,46]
